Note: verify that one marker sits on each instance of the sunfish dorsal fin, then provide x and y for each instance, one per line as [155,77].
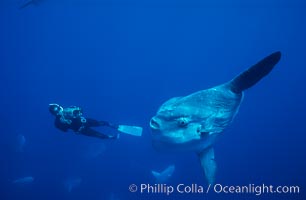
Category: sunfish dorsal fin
[207,158]
[255,73]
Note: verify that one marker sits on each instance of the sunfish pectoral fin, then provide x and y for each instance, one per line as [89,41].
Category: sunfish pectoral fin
[207,158]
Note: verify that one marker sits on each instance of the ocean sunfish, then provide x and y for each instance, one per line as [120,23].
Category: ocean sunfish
[193,122]
[162,177]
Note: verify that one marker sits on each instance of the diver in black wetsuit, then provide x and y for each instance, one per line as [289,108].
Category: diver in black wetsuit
[71,118]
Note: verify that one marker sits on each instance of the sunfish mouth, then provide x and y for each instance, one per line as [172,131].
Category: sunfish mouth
[154,124]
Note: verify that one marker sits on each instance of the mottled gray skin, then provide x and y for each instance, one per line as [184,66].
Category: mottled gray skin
[193,122]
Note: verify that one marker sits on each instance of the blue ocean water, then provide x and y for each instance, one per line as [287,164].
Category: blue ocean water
[120,60]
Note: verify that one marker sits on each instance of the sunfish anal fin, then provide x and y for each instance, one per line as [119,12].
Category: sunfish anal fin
[207,158]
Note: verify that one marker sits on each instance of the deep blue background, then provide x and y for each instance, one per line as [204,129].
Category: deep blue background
[120,60]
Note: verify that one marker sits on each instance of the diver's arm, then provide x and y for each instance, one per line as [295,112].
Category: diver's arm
[60,126]
[64,129]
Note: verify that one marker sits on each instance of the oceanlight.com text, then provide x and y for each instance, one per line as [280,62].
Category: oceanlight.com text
[256,189]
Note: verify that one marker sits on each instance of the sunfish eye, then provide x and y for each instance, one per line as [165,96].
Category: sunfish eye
[182,122]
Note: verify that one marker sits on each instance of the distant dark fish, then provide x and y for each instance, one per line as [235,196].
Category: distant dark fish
[26,3]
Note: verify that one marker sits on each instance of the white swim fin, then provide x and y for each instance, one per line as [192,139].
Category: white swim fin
[131,130]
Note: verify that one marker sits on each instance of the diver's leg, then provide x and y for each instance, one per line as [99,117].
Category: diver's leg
[92,122]
[93,133]
[95,123]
